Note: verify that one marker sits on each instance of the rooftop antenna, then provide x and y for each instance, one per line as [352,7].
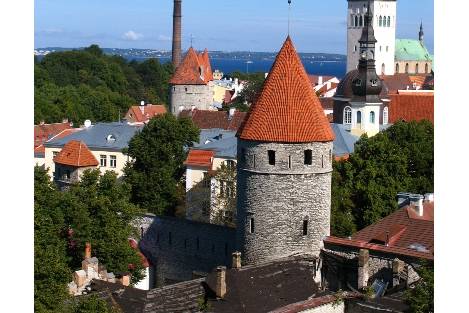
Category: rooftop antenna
[289,10]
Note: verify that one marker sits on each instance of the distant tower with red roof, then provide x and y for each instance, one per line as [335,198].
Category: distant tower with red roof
[284,167]
[191,86]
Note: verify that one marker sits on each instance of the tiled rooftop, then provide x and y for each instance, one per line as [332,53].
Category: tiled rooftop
[287,109]
[76,153]
[195,69]
[149,111]
[410,107]
[202,158]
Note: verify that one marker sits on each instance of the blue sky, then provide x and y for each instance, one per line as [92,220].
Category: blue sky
[252,25]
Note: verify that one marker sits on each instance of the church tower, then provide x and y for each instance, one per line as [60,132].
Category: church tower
[284,167]
[384,23]
[366,86]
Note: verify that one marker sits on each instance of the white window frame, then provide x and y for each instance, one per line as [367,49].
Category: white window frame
[111,159]
[347,115]
[385,116]
[372,117]
[102,158]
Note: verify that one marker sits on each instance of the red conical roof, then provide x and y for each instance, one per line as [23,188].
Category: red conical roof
[76,153]
[287,109]
[195,69]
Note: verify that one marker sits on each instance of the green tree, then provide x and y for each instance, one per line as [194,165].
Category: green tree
[51,272]
[225,199]
[251,91]
[90,304]
[365,186]
[158,153]
[420,298]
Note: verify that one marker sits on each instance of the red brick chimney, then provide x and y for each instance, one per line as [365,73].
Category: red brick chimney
[87,250]
[177,21]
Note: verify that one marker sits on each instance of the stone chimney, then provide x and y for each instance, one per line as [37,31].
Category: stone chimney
[177,22]
[87,250]
[236,260]
[416,202]
[125,280]
[363,268]
[220,288]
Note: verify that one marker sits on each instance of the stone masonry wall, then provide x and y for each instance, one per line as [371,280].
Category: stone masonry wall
[177,247]
[280,197]
[186,96]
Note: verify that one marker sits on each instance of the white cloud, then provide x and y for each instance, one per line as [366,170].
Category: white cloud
[164,38]
[131,35]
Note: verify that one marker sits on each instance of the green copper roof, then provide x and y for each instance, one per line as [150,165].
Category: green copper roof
[411,50]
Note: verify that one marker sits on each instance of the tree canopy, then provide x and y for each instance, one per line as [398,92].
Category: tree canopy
[421,297]
[250,93]
[96,210]
[88,84]
[365,186]
[158,152]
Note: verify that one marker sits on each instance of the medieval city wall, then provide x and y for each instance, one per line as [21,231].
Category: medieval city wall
[178,247]
[279,198]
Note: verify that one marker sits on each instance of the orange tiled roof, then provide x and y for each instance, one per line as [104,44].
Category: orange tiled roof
[44,132]
[287,109]
[203,158]
[193,70]
[76,153]
[62,134]
[411,107]
[149,111]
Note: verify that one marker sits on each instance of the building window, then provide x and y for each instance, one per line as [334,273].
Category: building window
[103,160]
[254,161]
[407,68]
[356,21]
[385,115]
[416,68]
[174,88]
[389,21]
[361,21]
[355,48]
[305,227]
[380,21]
[347,116]
[383,68]
[230,164]
[308,157]
[185,89]
[112,161]
[397,67]
[372,117]
[330,155]
[289,161]
[271,155]
[322,161]
[359,117]
[426,68]
[251,225]
[351,20]
[380,48]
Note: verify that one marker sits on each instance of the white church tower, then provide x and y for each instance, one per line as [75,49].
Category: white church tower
[384,24]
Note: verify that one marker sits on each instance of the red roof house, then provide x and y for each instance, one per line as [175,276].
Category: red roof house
[44,132]
[76,153]
[195,69]
[200,158]
[143,113]
[411,107]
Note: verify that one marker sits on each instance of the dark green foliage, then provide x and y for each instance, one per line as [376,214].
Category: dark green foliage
[158,152]
[250,92]
[96,210]
[421,298]
[90,304]
[88,84]
[364,187]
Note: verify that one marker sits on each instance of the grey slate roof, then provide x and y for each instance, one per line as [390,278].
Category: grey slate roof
[97,137]
[344,142]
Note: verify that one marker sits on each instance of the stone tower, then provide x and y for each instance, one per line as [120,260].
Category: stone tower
[384,23]
[177,20]
[284,167]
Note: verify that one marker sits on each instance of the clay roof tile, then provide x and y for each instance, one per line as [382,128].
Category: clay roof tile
[76,153]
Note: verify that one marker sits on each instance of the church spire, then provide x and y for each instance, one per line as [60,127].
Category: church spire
[421,33]
[367,85]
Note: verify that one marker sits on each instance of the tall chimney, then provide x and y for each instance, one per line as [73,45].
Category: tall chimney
[87,250]
[177,17]
[221,282]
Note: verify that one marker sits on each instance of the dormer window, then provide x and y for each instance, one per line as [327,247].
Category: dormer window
[357,82]
[271,155]
[111,138]
[374,82]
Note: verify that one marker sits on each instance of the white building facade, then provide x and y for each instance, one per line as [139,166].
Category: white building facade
[384,24]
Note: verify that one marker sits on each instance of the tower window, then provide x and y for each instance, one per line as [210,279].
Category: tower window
[416,68]
[380,21]
[359,117]
[426,68]
[322,161]
[330,155]
[361,20]
[389,21]
[305,227]
[356,20]
[254,161]
[397,67]
[347,115]
[407,68]
[372,117]
[251,225]
[383,68]
[385,115]
[271,155]
[355,48]
[289,161]
[308,157]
